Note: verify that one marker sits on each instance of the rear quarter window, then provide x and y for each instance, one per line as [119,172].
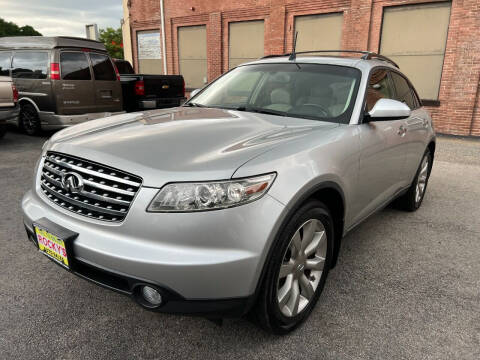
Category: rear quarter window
[30,65]
[74,66]
[5,58]
[404,92]
[102,67]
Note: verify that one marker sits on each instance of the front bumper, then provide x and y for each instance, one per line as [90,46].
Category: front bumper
[197,259]
[52,121]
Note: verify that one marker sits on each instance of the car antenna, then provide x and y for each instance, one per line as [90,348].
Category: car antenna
[293,56]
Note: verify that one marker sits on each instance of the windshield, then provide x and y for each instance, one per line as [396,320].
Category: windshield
[312,91]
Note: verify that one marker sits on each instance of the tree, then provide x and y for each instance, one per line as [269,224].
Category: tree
[8,28]
[112,38]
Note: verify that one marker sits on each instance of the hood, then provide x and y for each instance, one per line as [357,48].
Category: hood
[181,144]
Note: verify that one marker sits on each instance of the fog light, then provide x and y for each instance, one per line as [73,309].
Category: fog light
[151,295]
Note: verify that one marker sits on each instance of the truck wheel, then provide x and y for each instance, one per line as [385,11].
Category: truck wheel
[297,270]
[29,120]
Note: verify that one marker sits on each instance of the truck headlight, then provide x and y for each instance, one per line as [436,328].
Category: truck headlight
[186,197]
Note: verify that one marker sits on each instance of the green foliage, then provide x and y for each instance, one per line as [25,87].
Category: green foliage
[112,38]
[8,28]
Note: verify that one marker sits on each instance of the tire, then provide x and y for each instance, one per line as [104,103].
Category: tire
[275,307]
[29,120]
[3,130]
[413,198]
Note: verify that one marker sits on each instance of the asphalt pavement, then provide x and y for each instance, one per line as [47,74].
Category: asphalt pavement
[407,286]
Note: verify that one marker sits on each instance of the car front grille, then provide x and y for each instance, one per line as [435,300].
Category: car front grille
[96,191]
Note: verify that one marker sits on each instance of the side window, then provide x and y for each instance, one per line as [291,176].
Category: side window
[379,87]
[102,67]
[404,93]
[74,66]
[5,58]
[30,65]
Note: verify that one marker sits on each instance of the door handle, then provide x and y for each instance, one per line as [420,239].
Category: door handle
[402,130]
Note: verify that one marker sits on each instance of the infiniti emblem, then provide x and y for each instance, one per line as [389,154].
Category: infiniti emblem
[72,182]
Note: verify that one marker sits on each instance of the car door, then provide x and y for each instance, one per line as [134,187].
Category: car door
[382,151]
[107,88]
[74,90]
[416,126]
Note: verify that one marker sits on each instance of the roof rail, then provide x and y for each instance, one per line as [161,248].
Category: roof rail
[366,55]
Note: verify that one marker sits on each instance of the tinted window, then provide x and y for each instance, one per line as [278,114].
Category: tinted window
[5,63]
[102,67]
[312,91]
[405,93]
[379,87]
[30,65]
[124,67]
[74,66]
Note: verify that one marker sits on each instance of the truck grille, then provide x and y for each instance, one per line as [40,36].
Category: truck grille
[88,188]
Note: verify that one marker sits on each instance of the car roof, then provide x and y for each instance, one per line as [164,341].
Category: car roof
[363,64]
[45,42]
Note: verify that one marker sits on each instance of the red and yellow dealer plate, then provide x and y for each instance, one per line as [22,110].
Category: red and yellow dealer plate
[52,246]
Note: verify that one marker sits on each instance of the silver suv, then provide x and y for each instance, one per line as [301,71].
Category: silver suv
[236,202]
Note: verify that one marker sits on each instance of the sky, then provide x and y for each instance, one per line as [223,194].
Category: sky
[62,17]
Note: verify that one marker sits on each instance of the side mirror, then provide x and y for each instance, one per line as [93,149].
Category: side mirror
[389,109]
[194,92]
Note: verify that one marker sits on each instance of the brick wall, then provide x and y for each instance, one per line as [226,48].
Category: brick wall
[458,112]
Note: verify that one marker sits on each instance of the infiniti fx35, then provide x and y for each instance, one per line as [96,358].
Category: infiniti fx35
[237,201]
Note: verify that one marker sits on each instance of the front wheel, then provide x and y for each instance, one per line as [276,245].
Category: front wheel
[413,198]
[297,270]
[29,120]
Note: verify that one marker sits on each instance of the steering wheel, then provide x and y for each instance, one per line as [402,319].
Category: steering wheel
[324,111]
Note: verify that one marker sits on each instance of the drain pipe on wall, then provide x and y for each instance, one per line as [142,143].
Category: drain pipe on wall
[164,52]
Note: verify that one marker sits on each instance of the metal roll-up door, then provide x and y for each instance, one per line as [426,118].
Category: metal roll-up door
[246,42]
[319,32]
[415,37]
[149,52]
[192,52]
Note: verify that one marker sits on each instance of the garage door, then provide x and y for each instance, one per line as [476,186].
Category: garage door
[192,52]
[415,37]
[246,40]
[319,32]
[149,53]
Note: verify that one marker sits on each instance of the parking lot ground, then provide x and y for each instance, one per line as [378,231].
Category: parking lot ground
[407,285]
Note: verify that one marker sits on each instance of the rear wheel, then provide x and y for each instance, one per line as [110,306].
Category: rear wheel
[297,270]
[413,198]
[29,120]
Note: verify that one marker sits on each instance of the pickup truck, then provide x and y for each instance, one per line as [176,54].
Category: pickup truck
[145,91]
[8,103]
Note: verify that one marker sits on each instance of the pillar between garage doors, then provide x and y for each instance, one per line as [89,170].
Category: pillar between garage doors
[214,46]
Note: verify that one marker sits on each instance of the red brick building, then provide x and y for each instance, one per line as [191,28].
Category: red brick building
[437,43]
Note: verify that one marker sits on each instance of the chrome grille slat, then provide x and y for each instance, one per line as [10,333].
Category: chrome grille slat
[116,188]
[95,185]
[80,203]
[89,194]
[93,172]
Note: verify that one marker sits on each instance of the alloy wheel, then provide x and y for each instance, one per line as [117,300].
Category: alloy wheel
[421,180]
[302,268]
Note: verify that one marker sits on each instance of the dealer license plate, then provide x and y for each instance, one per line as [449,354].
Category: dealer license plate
[52,246]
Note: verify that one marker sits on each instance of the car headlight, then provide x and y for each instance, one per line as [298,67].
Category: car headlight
[186,197]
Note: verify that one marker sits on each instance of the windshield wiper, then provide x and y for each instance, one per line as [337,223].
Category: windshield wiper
[261,111]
